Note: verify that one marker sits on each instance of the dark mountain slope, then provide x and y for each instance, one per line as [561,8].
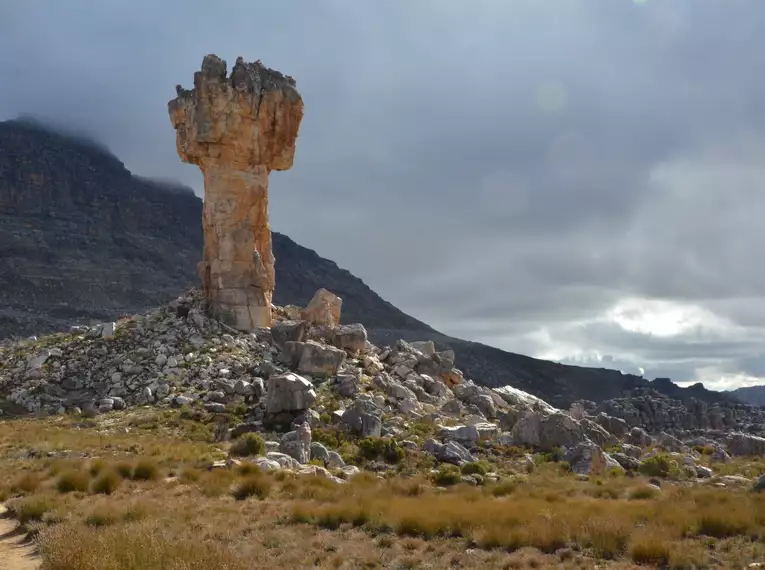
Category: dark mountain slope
[754,395]
[82,239]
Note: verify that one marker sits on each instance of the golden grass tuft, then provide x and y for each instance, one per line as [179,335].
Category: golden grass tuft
[73,480]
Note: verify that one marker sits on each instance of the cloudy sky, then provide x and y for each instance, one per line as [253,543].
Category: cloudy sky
[579,180]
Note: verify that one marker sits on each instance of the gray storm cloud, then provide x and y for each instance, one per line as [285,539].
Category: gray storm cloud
[513,170]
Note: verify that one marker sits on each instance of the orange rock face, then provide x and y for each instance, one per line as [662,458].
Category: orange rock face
[237,129]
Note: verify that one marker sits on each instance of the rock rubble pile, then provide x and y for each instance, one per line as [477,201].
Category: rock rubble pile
[307,372]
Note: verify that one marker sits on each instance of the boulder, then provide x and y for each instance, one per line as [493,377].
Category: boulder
[364,418]
[283,332]
[352,338]
[547,431]
[426,347]
[639,437]
[597,434]
[324,309]
[589,459]
[613,425]
[313,358]
[289,393]
[451,452]
[742,444]
[346,385]
[297,444]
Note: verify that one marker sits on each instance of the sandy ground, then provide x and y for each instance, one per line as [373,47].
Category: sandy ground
[15,552]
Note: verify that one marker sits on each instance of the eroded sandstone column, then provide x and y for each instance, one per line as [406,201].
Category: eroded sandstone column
[237,129]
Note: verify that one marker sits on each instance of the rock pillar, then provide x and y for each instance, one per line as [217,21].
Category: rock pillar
[237,129]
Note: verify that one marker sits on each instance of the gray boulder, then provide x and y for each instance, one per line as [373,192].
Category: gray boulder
[297,444]
[547,431]
[742,444]
[319,452]
[626,461]
[288,331]
[364,418]
[587,458]
[611,424]
[597,434]
[346,385]
[639,437]
[451,452]
[313,358]
[289,393]
[352,338]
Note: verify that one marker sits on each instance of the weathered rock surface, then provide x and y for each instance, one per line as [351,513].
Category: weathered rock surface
[547,431]
[289,393]
[324,309]
[237,129]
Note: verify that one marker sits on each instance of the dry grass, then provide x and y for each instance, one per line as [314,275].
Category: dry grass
[103,503]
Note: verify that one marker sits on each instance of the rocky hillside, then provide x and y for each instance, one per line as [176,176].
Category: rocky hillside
[310,375]
[84,240]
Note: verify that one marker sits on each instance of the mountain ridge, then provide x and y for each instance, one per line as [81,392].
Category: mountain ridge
[83,239]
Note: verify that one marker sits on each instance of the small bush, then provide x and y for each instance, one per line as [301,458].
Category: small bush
[252,485]
[26,484]
[106,482]
[477,468]
[145,470]
[248,468]
[102,516]
[32,508]
[124,469]
[656,466]
[385,448]
[248,445]
[190,475]
[649,548]
[504,487]
[447,475]
[215,483]
[72,480]
[96,467]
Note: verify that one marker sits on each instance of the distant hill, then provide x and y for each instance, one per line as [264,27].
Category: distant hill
[82,239]
[754,395]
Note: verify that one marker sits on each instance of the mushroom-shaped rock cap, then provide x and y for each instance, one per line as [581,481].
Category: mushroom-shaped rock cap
[249,118]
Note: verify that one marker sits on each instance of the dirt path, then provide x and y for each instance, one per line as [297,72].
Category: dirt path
[15,552]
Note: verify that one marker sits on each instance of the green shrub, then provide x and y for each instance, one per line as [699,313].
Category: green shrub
[124,469]
[477,468]
[657,466]
[643,492]
[504,487]
[145,470]
[253,485]
[102,516]
[96,467]
[447,475]
[373,448]
[247,445]
[106,482]
[32,508]
[72,480]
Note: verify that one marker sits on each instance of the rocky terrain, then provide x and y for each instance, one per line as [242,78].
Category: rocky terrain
[82,240]
[308,371]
